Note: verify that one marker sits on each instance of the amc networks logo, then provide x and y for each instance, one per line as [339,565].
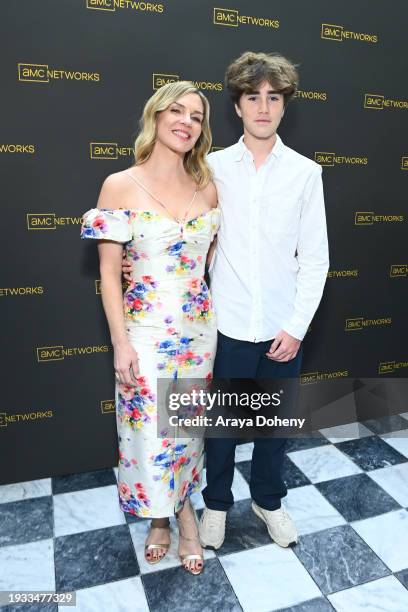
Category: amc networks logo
[331,159]
[25,149]
[338,33]
[318,96]
[389,367]
[313,377]
[398,270]
[42,73]
[232,18]
[19,291]
[379,102]
[160,79]
[108,406]
[404,162]
[361,323]
[112,5]
[369,218]
[108,150]
[58,353]
[49,221]
[18,417]
[342,273]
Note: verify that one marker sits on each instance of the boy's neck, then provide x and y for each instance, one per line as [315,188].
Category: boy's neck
[259,147]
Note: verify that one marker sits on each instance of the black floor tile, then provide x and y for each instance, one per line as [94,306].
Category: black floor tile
[292,475]
[386,424]
[175,590]
[403,577]
[320,604]
[371,453]
[357,497]
[302,443]
[337,558]
[86,480]
[94,557]
[27,520]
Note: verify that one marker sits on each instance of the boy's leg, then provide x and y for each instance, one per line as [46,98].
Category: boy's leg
[234,359]
[267,485]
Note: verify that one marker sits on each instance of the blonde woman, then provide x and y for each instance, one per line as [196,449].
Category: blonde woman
[162,211]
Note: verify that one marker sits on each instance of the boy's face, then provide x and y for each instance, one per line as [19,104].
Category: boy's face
[261,111]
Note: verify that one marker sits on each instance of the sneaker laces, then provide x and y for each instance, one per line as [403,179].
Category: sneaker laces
[281,516]
[215,519]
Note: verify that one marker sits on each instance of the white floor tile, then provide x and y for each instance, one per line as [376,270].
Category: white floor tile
[398,440]
[310,510]
[28,567]
[383,595]
[268,578]
[342,433]
[387,535]
[324,463]
[139,531]
[119,596]
[394,480]
[86,510]
[243,452]
[25,490]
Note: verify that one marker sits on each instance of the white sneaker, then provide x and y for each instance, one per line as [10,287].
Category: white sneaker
[280,526]
[212,528]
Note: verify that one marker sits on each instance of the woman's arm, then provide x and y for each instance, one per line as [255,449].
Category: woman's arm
[110,265]
[211,196]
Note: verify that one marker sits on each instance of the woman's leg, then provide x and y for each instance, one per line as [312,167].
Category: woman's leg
[158,540]
[190,551]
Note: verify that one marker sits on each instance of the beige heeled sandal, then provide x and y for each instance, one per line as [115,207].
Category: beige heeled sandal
[153,560]
[196,539]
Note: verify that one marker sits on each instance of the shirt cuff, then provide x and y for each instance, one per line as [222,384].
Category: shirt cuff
[296,327]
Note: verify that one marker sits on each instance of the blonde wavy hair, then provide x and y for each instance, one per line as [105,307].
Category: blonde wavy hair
[194,161]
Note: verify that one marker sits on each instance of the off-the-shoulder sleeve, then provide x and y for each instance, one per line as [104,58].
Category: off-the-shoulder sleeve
[107,224]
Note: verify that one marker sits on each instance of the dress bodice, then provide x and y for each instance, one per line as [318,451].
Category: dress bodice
[168,257]
[155,244]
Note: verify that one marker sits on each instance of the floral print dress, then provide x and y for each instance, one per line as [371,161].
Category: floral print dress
[171,324]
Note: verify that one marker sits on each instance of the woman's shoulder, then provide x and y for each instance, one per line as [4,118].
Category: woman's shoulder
[114,190]
[209,193]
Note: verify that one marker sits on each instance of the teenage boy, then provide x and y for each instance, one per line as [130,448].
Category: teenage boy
[267,276]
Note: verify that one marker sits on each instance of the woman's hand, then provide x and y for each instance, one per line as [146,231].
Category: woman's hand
[126,268]
[126,363]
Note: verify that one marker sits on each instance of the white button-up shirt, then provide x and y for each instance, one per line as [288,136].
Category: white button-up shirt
[271,260]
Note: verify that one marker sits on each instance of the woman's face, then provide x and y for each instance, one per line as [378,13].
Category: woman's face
[179,126]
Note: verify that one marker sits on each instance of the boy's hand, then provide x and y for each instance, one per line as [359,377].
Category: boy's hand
[284,347]
[126,268]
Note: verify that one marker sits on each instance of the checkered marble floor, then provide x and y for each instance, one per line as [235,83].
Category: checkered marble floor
[348,493]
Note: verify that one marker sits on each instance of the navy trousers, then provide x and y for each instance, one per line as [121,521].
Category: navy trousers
[241,359]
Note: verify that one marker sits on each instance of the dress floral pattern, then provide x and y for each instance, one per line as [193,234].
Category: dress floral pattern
[171,324]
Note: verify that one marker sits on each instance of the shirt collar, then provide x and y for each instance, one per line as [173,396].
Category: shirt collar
[241,149]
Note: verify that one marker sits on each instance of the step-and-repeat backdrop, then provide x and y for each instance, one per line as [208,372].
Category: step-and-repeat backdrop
[74,78]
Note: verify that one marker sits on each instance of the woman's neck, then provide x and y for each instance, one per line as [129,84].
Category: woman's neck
[165,165]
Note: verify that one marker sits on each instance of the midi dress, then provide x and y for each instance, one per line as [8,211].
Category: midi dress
[170,322]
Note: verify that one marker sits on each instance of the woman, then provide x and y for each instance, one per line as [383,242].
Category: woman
[162,211]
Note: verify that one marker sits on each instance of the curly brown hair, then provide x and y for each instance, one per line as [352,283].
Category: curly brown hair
[250,69]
